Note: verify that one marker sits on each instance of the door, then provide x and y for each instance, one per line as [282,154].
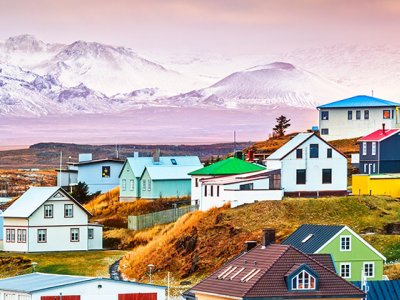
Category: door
[369,168]
[138,296]
[66,297]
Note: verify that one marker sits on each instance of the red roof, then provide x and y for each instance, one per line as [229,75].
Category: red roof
[378,135]
[266,268]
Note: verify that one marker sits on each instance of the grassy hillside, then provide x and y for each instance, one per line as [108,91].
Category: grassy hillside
[201,242]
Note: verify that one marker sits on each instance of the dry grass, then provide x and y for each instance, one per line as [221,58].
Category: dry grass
[200,242]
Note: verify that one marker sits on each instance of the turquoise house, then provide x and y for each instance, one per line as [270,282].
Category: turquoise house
[133,170]
[163,181]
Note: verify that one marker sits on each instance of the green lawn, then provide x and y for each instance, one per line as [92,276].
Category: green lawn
[87,263]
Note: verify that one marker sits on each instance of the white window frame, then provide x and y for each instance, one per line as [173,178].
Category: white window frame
[123,184]
[364,148]
[303,282]
[149,184]
[132,185]
[48,208]
[340,240]
[341,269]
[42,233]
[373,269]
[365,168]
[373,149]
[144,184]
[74,235]
[90,233]
[373,168]
[68,213]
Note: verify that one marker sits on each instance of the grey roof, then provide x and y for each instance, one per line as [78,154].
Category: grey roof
[321,234]
[38,281]
[41,281]
[30,201]
[170,172]
[139,163]
[290,145]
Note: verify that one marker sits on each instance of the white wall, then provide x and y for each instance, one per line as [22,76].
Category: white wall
[342,128]
[314,167]
[97,242]
[109,290]
[14,223]
[273,164]
[196,191]
[67,178]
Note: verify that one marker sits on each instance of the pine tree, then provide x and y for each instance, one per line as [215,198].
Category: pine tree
[282,123]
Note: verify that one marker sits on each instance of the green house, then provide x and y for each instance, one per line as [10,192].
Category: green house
[352,255]
[130,177]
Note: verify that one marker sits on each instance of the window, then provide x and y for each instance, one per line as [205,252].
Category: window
[149,184]
[247,186]
[392,113]
[301,176]
[365,168]
[373,150]
[358,114]
[329,153]
[324,115]
[373,168]
[123,184]
[366,114]
[196,182]
[48,211]
[105,171]
[345,243]
[349,115]
[345,270]
[42,235]
[217,190]
[313,150]
[68,210]
[364,148]
[144,184]
[10,235]
[307,238]
[90,233]
[299,153]
[324,131]
[303,281]
[74,234]
[326,176]
[132,185]
[369,269]
[21,236]
[205,191]
[173,161]
[386,114]
[212,190]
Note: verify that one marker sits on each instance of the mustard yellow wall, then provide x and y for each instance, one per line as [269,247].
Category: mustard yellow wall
[200,296]
[364,185]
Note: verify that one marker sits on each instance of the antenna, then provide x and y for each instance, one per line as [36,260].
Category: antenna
[116,151]
[234,141]
[59,183]
[372,92]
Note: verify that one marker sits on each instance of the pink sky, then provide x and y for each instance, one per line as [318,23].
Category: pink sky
[225,26]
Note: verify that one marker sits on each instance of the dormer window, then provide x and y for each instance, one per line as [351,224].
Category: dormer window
[303,281]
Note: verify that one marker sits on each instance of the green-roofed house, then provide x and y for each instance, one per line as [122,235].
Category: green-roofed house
[236,181]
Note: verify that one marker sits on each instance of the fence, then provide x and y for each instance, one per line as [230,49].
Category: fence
[161,217]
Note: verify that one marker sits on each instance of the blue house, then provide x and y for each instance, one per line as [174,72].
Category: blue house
[356,116]
[100,175]
[379,152]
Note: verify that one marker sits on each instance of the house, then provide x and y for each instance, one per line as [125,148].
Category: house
[40,286]
[47,219]
[67,177]
[163,181]
[356,116]
[376,184]
[352,255]
[272,271]
[239,189]
[229,166]
[310,166]
[100,175]
[379,152]
[380,289]
[131,185]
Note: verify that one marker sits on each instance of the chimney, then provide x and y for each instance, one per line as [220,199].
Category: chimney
[248,245]
[383,128]
[156,156]
[135,154]
[85,157]
[268,236]
[250,155]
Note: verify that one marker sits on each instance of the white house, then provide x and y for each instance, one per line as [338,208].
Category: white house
[310,167]
[40,286]
[239,189]
[48,219]
[356,116]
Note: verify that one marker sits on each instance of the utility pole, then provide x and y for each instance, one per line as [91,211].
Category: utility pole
[60,179]
[168,286]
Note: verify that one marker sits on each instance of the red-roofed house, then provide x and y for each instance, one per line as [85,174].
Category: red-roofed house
[379,152]
[273,271]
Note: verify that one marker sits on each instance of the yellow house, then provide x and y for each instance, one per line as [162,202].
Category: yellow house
[376,184]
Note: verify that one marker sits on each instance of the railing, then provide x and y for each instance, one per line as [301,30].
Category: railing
[160,217]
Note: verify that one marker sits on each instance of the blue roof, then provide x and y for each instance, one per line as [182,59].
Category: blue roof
[308,238]
[360,101]
[382,289]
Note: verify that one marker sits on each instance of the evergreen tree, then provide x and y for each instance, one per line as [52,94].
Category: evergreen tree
[81,192]
[282,123]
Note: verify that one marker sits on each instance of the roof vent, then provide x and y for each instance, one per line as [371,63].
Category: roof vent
[307,238]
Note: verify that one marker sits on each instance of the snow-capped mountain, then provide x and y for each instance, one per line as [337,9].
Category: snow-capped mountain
[274,84]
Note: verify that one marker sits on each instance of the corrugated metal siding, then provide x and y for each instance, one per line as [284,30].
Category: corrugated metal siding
[382,289]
